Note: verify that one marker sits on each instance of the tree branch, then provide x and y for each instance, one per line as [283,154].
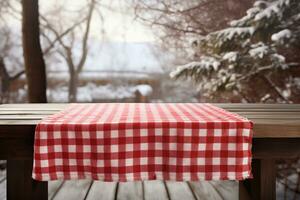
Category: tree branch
[85,37]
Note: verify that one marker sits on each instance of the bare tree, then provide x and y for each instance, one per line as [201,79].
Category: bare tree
[5,81]
[33,57]
[179,23]
[66,38]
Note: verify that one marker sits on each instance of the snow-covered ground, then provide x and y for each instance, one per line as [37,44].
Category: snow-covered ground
[93,93]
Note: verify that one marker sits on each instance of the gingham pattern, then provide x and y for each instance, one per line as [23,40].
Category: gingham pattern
[126,142]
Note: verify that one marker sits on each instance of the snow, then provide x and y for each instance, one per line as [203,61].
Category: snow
[99,75]
[281,35]
[206,64]
[273,8]
[145,90]
[232,32]
[279,57]
[250,14]
[91,92]
[259,50]
[231,56]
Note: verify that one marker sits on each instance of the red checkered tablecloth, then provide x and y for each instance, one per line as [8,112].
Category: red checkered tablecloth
[126,142]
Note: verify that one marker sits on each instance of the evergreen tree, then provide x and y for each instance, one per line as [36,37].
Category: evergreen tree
[256,58]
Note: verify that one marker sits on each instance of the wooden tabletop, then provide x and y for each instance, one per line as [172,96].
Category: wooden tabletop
[270,120]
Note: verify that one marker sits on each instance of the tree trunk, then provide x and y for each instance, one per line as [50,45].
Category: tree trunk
[33,57]
[4,82]
[73,86]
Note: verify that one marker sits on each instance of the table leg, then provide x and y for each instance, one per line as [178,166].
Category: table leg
[20,185]
[263,185]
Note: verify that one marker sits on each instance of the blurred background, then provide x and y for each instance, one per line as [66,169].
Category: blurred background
[154,51]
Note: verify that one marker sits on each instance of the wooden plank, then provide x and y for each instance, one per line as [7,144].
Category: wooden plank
[273,117]
[267,179]
[31,109]
[26,112]
[222,105]
[262,128]
[227,189]
[204,191]
[16,148]
[130,190]
[73,189]
[276,131]
[179,190]
[3,190]
[155,190]
[276,148]
[21,117]
[268,113]
[102,190]
[255,105]
[53,188]
[251,117]
[34,105]
[263,185]
[20,123]
[2,184]
[20,185]
[50,112]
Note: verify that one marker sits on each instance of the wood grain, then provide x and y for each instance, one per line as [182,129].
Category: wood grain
[270,120]
[204,191]
[130,190]
[102,190]
[73,189]
[179,190]
[155,190]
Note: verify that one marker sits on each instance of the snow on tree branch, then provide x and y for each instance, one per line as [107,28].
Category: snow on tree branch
[265,37]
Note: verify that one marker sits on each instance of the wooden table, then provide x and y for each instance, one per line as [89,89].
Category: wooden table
[276,135]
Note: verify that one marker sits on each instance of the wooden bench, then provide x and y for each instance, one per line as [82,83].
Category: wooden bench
[276,135]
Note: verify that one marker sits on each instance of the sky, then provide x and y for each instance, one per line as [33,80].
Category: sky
[119,23]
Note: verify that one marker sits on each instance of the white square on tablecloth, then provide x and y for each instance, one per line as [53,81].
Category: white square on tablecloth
[187,132]
[72,148]
[114,133]
[218,132]
[44,163]
[158,146]
[57,148]
[200,161]
[114,162]
[232,132]
[202,147]
[186,161]
[129,162]
[216,161]
[129,147]
[231,161]
[144,146]
[158,160]
[114,148]
[144,161]
[187,147]
[43,149]
[216,146]
[203,132]
[56,135]
[231,146]
[86,148]
[129,133]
